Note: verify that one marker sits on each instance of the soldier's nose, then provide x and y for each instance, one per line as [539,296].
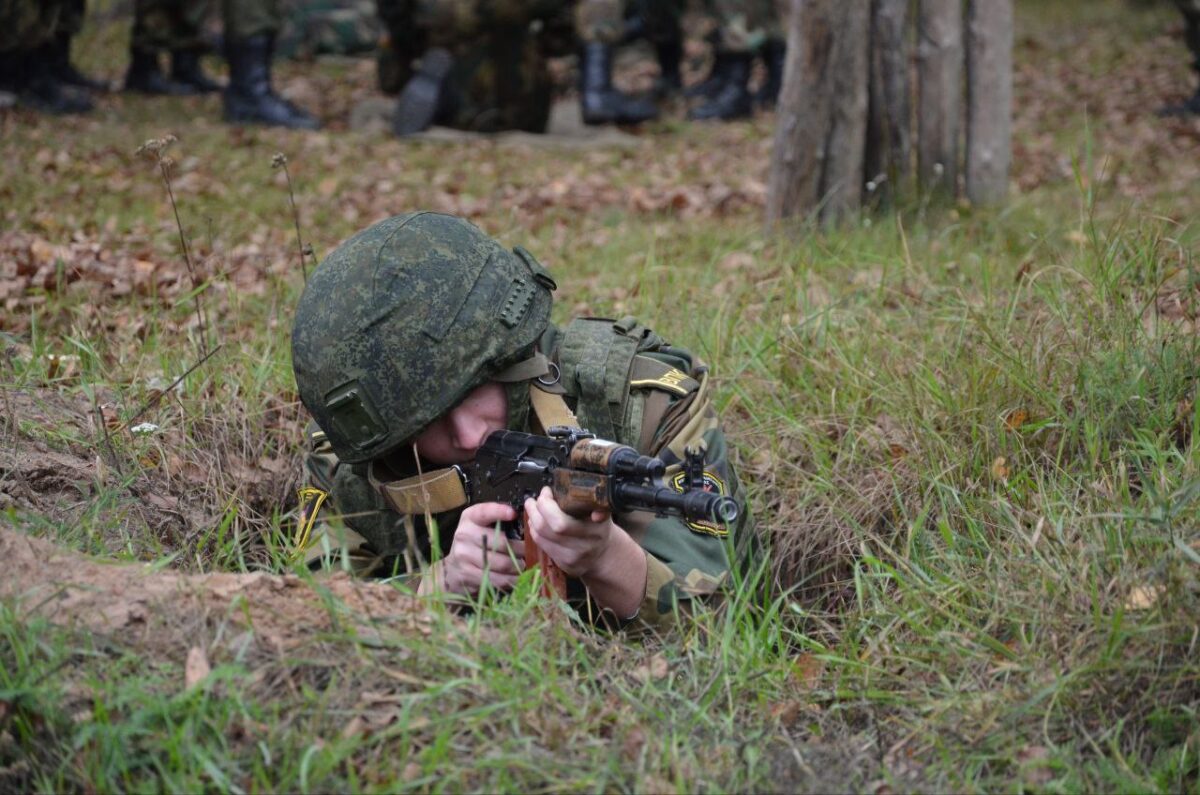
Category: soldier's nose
[469,429]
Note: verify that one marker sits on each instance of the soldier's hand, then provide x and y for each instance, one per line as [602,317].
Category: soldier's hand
[480,551]
[576,545]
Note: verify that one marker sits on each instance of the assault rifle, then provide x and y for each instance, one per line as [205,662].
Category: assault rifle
[586,474]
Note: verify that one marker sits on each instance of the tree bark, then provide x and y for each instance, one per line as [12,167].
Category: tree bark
[939,78]
[817,162]
[989,99]
[889,115]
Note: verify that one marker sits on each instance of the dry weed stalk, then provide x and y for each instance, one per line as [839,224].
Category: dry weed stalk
[820,519]
[157,148]
[280,161]
[153,401]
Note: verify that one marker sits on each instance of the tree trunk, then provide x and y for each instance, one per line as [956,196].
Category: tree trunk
[817,163]
[939,78]
[989,99]
[889,136]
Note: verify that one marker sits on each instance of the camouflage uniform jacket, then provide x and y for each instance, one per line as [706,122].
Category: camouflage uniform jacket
[624,383]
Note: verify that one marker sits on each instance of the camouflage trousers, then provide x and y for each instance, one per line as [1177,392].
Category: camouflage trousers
[169,24]
[745,25]
[178,24]
[595,20]
[25,24]
[500,79]
[246,18]
[332,27]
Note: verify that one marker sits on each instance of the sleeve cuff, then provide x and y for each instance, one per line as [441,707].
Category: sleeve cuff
[650,612]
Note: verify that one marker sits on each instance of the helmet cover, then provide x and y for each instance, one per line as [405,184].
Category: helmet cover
[405,318]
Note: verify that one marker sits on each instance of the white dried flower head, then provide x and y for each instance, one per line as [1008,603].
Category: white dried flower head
[154,147]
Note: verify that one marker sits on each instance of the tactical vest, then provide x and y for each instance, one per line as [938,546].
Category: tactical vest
[598,361]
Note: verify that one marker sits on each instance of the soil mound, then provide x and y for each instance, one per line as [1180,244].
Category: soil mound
[136,603]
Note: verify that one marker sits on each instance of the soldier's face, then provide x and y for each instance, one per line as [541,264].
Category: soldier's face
[454,437]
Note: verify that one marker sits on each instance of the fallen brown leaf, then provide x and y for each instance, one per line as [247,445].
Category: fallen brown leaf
[197,669]
[654,668]
[1014,419]
[1143,597]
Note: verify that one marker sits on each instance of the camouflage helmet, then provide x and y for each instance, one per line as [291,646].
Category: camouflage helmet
[405,318]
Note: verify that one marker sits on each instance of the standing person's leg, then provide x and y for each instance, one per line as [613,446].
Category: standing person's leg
[600,24]
[187,45]
[20,23]
[250,30]
[28,29]
[59,53]
[740,36]
[483,69]
[661,23]
[774,51]
[155,29]
[401,46]
[1191,15]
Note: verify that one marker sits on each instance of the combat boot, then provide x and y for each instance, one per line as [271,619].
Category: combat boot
[599,101]
[187,71]
[425,97]
[59,57]
[249,97]
[670,81]
[38,89]
[145,76]
[709,87]
[733,101]
[774,55]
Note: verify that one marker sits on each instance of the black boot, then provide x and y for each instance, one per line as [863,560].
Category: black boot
[709,87]
[249,97]
[733,101]
[425,97]
[38,88]
[146,77]
[62,68]
[670,81]
[599,101]
[186,71]
[10,71]
[774,54]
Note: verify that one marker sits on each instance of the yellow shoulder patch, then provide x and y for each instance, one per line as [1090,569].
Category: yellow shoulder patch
[654,374]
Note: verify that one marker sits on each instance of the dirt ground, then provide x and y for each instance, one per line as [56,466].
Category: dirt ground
[137,602]
[131,599]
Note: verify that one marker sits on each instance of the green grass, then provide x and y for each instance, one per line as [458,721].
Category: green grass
[970,434]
